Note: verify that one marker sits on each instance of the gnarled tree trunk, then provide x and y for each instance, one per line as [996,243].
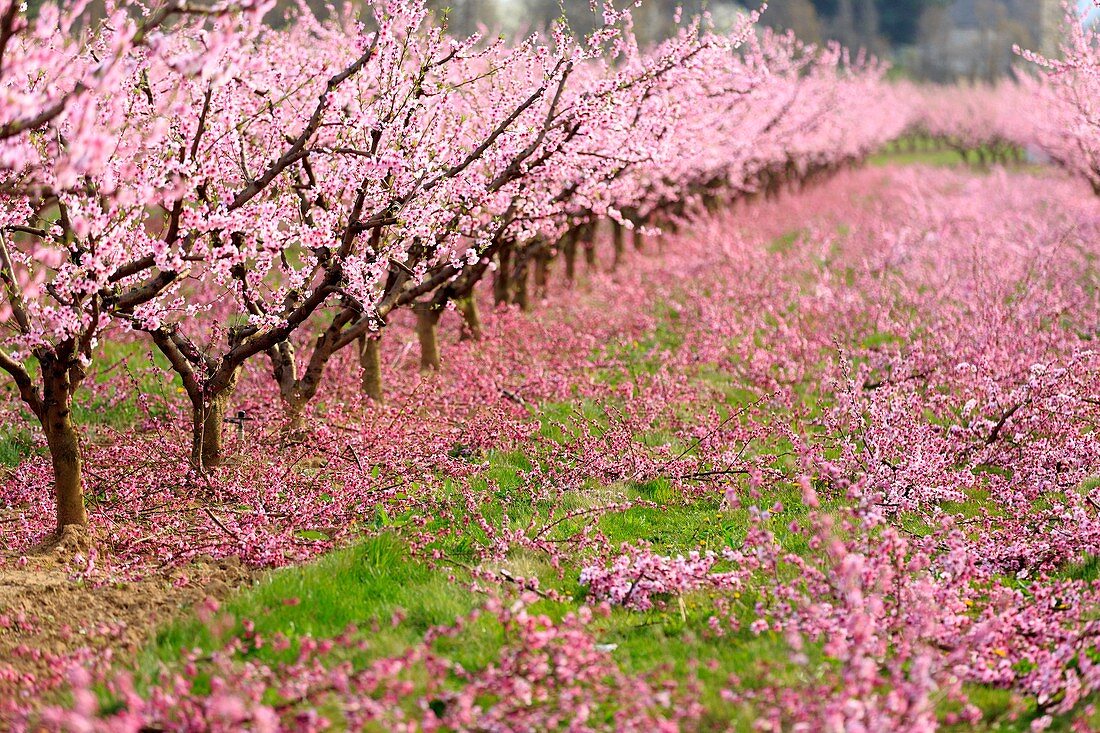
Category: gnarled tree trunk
[294,412]
[370,361]
[64,445]
[542,272]
[569,251]
[471,318]
[619,242]
[521,294]
[427,332]
[589,237]
[502,284]
[207,428]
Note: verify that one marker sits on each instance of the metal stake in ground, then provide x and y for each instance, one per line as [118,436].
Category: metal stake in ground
[239,420]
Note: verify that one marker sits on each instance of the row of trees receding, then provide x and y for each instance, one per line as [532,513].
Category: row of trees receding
[235,192]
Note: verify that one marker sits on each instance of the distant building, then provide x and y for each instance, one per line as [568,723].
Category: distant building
[974,39]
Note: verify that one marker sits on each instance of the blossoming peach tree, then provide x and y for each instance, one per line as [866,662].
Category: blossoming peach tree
[91,160]
[1069,131]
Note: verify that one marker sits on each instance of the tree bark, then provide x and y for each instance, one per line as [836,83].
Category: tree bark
[542,272]
[589,237]
[207,424]
[370,361]
[772,186]
[471,318]
[294,412]
[569,250]
[427,332]
[618,236]
[502,286]
[521,293]
[64,446]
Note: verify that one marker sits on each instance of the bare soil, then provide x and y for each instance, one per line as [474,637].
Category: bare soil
[49,619]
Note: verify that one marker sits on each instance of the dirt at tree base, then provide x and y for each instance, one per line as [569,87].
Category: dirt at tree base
[50,619]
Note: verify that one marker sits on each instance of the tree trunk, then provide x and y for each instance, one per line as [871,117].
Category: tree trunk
[589,237]
[502,286]
[370,361]
[206,432]
[773,187]
[618,240]
[636,237]
[662,239]
[64,446]
[471,318]
[294,413]
[569,250]
[427,331]
[521,294]
[542,273]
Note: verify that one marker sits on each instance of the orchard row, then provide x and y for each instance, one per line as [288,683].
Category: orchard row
[236,193]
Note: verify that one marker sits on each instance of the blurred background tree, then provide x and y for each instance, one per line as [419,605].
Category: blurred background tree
[941,40]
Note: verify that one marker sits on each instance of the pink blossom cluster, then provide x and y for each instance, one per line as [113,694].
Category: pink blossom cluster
[637,577]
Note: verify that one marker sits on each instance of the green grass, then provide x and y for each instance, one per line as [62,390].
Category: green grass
[16,443]
[91,412]
[367,585]
[785,243]
[363,585]
[942,157]
[938,158]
